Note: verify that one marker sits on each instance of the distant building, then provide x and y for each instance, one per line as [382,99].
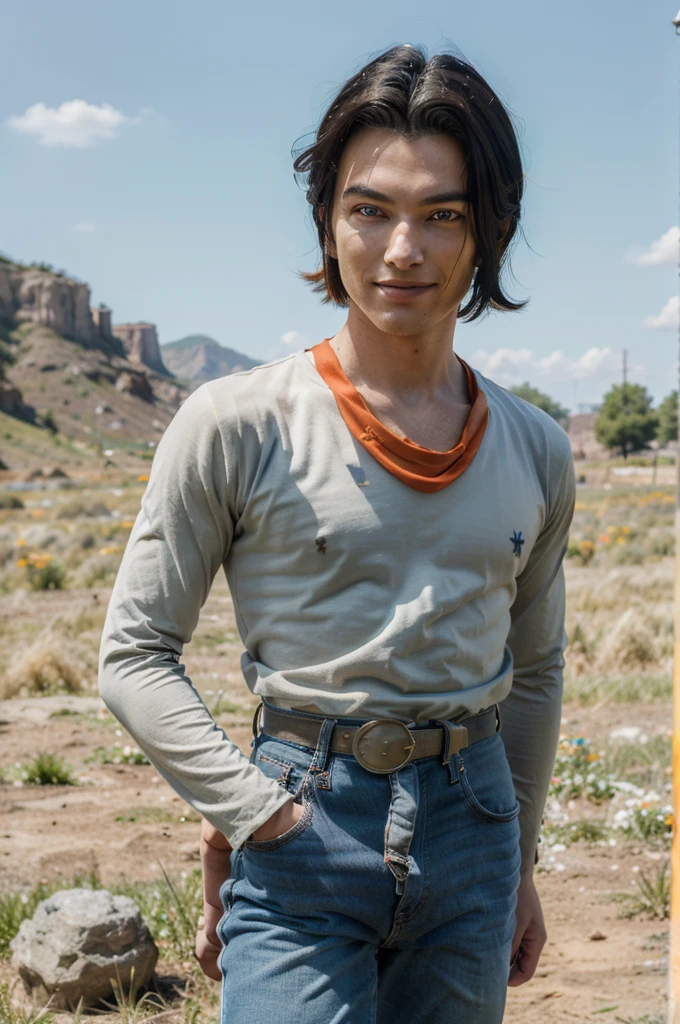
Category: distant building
[587,407]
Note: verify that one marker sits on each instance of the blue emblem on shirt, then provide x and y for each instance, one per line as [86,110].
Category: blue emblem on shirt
[517,541]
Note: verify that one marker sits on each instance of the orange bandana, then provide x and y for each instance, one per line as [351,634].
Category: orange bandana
[421,468]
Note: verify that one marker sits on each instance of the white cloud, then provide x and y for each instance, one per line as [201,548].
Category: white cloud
[662,252]
[83,225]
[74,123]
[668,319]
[294,338]
[512,366]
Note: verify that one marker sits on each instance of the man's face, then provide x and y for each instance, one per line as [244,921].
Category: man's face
[398,222]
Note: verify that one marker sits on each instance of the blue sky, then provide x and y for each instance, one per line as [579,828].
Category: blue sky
[182,208]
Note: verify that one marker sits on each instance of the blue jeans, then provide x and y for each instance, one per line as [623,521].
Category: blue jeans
[391,901]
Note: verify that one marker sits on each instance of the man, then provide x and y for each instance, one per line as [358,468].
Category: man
[392,526]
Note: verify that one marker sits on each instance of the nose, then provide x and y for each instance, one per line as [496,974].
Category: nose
[403,249]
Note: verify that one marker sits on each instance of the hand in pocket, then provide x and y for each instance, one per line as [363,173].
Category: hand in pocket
[281,821]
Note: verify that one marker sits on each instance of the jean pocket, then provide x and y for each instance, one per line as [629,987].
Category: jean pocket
[296,830]
[286,764]
[486,780]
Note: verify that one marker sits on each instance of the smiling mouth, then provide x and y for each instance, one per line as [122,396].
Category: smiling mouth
[402,290]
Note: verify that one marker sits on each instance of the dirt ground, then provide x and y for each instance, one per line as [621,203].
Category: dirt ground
[48,831]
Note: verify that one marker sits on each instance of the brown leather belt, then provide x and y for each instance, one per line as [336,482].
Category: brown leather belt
[382,744]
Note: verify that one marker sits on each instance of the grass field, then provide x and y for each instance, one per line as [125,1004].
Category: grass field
[81,805]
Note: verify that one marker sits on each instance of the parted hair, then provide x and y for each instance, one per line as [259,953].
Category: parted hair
[404,91]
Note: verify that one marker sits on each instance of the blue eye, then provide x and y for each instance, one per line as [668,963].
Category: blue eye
[375,208]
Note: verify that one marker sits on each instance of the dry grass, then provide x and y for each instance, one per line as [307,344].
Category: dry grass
[620,596]
[46,668]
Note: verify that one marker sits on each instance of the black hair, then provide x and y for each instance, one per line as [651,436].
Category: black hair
[404,91]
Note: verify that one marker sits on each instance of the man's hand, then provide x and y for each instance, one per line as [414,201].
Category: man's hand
[530,934]
[280,821]
[215,863]
[215,851]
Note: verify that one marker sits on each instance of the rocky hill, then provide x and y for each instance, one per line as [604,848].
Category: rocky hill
[68,391]
[199,358]
[76,390]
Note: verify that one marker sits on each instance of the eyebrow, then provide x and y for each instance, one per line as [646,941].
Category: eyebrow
[380,197]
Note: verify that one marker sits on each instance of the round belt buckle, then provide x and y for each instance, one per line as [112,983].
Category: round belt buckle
[379,745]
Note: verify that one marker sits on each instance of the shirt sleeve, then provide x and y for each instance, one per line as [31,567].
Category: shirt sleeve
[179,540]
[531,713]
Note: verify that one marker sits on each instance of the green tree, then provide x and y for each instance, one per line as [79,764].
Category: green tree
[668,419]
[626,419]
[543,401]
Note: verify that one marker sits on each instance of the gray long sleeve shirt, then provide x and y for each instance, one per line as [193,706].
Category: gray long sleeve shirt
[416,606]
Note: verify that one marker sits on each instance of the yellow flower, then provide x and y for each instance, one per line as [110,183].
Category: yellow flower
[22,561]
[143,476]
[625,529]
[668,820]
[129,523]
[587,545]
[620,540]
[20,542]
[592,757]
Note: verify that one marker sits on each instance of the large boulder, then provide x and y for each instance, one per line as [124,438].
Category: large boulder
[132,382]
[11,399]
[77,941]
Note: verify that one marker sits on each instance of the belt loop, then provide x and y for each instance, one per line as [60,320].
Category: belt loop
[446,746]
[318,763]
[498,717]
[256,719]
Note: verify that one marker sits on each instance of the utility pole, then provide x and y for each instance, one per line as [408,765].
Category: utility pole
[674,958]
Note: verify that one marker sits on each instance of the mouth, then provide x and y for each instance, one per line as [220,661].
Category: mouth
[402,291]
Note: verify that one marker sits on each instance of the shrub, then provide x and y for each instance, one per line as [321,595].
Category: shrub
[118,755]
[11,501]
[45,574]
[49,421]
[653,896]
[632,554]
[43,770]
[76,509]
[583,550]
[42,670]
[99,571]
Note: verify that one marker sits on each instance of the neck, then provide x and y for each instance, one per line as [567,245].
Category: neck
[415,368]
